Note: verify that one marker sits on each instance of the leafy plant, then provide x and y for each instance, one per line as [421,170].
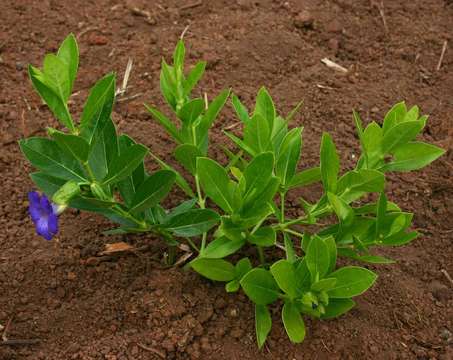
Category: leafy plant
[90,167]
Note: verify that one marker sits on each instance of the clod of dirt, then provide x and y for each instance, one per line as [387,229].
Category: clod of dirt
[304,20]
[334,26]
[440,291]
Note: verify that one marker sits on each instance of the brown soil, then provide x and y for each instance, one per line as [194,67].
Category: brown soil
[129,307]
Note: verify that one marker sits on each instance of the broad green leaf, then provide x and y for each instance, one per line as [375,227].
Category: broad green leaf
[215,183]
[152,191]
[193,222]
[211,114]
[214,269]
[293,322]
[187,155]
[180,181]
[257,175]
[73,145]
[45,155]
[375,259]
[240,143]
[399,239]
[400,134]
[190,111]
[68,53]
[302,275]
[53,101]
[264,236]
[285,276]
[257,134]
[343,211]
[332,247]
[56,76]
[240,109]
[305,178]
[395,116]
[222,247]
[242,267]
[181,208]
[372,144]
[330,163]
[194,76]
[263,324]
[166,123]
[265,107]
[288,156]
[261,206]
[98,107]
[168,84]
[351,281]
[317,258]
[324,284]
[125,164]
[356,183]
[412,114]
[279,131]
[337,307]
[413,156]
[232,286]
[381,211]
[104,150]
[259,285]
[49,185]
[179,55]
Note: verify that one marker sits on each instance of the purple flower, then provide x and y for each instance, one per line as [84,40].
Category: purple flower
[44,215]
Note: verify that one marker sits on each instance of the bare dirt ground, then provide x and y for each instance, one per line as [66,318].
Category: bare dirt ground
[130,307]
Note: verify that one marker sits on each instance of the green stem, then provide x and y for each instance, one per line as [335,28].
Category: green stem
[282,207]
[90,173]
[202,204]
[142,224]
[171,255]
[296,233]
[191,243]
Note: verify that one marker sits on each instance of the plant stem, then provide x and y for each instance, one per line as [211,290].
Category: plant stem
[282,207]
[171,255]
[296,233]
[201,203]
[191,243]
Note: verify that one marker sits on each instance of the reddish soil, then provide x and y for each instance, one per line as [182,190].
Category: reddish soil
[130,307]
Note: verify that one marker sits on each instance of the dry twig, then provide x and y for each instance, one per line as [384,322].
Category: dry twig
[442,54]
[447,275]
[333,65]
[153,350]
[190,6]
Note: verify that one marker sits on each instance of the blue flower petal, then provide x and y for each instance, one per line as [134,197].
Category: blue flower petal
[42,228]
[46,206]
[52,224]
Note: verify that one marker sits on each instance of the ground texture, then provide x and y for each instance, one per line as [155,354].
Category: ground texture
[130,307]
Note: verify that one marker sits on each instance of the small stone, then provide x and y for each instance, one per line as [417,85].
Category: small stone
[19,66]
[439,291]
[446,335]
[334,45]
[72,275]
[304,20]
[374,109]
[95,39]
[334,27]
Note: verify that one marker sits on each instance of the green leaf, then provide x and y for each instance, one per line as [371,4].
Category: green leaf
[257,175]
[125,164]
[166,123]
[153,190]
[259,285]
[293,322]
[68,53]
[413,156]
[98,107]
[372,144]
[323,284]
[214,269]
[294,111]
[395,116]
[381,216]
[263,324]
[54,102]
[317,258]
[375,259]
[351,281]
[215,183]
[49,185]
[332,249]
[73,145]
[257,134]
[330,163]
[265,107]
[210,115]
[302,275]
[181,208]
[45,155]
[240,109]
[232,286]
[305,178]
[194,76]
[168,84]
[180,181]
[400,134]
[222,247]
[190,111]
[192,222]
[288,156]
[243,266]
[337,307]
[187,155]
[285,276]
[179,55]
[343,211]
[264,236]
[240,143]
[56,76]
[399,239]
[356,183]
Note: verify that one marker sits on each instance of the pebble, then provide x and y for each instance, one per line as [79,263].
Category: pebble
[439,291]
[304,20]
[334,27]
[19,66]
[446,335]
